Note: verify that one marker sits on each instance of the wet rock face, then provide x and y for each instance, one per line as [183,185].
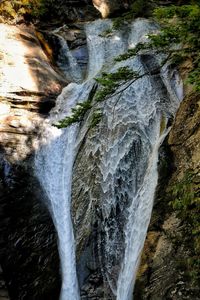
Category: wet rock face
[87,224]
[69,38]
[162,273]
[29,257]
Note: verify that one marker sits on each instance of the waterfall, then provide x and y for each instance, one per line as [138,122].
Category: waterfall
[138,220]
[114,171]
[53,165]
[67,62]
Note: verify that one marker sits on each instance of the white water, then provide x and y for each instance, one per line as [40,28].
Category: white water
[138,221]
[68,63]
[128,140]
[53,167]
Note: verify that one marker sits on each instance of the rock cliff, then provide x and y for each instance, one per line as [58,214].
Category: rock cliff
[28,89]
[165,271]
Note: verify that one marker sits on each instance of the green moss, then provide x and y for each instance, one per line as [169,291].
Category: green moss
[186,197]
[137,10]
[185,200]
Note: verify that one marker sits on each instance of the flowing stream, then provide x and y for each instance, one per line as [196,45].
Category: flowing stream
[123,151]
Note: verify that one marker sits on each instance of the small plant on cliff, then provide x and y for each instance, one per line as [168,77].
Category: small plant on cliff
[185,201]
[96,118]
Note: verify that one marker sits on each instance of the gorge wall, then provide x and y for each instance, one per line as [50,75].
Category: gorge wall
[28,89]
[164,272]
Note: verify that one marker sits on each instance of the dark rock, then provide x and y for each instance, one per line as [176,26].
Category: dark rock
[3,287]
[29,255]
[62,11]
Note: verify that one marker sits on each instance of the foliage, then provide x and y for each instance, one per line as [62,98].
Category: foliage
[132,52]
[11,9]
[43,8]
[79,111]
[181,25]
[109,83]
[78,114]
[179,36]
[185,201]
[112,81]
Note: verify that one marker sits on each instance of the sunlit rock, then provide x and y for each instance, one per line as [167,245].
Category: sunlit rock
[29,86]
[4,109]
[107,7]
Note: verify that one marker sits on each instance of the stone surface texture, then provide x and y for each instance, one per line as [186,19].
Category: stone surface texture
[29,86]
[161,274]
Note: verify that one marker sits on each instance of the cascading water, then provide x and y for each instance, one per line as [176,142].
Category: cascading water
[67,62]
[138,220]
[53,166]
[115,164]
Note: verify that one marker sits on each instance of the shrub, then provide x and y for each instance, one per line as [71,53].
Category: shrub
[35,8]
